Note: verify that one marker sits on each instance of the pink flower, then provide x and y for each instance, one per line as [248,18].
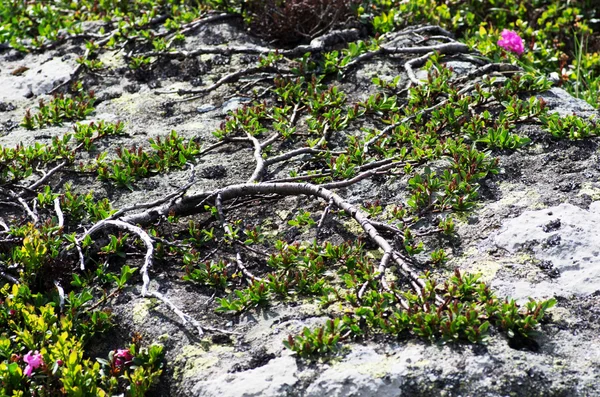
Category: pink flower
[511,42]
[122,357]
[33,361]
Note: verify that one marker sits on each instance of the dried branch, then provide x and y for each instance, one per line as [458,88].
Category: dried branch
[4,225]
[46,176]
[322,219]
[414,63]
[229,231]
[134,229]
[185,318]
[59,213]
[260,168]
[188,205]
[32,213]
[318,44]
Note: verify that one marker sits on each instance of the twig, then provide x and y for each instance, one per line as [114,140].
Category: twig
[322,219]
[318,44]
[134,229]
[383,132]
[30,212]
[4,225]
[489,68]
[253,250]
[8,277]
[170,197]
[413,63]
[294,153]
[196,24]
[188,205]
[260,168]
[47,175]
[185,318]
[59,213]
[269,141]
[223,80]
[61,295]
[385,259]
[229,231]
[360,177]
[443,48]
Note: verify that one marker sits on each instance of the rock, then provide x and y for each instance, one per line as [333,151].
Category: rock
[561,102]
[205,108]
[565,235]
[7,107]
[233,104]
[276,378]
[40,78]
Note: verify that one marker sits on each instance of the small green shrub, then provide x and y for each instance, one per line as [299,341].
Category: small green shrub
[42,350]
[61,109]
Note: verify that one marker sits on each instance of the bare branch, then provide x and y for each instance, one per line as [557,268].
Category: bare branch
[61,295]
[229,231]
[187,205]
[47,175]
[443,48]
[185,318]
[59,213]
[260,169]
[8,277]
[4,225]
[413,63]
[134,229]
[29,211]
[322,219]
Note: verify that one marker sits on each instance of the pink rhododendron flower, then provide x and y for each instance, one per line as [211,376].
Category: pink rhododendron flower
[512,42]
[122,356]
[33,361]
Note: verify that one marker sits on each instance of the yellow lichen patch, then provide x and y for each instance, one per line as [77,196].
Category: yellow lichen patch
[142,309]
[374,368]
[589,189]
[487,269]
[422,363]
[375,254]
[136,103]
[127,103]
[560,313]
[353,227]
[195,359]
[112,59]
[514,194]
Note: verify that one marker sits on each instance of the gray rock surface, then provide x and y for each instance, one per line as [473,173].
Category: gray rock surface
[276,378]
[566,238]
[561,102]
[41,76]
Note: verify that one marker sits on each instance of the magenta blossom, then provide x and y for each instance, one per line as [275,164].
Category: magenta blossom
[122,356]
[33,361]
[512,42]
